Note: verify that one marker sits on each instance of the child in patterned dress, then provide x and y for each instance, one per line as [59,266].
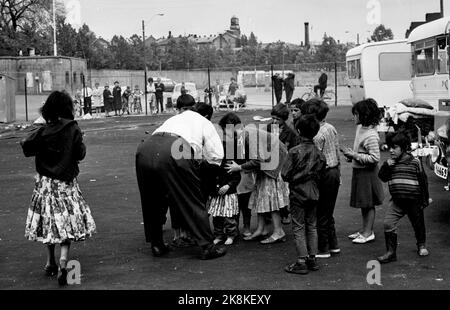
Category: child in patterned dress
[58,213]
[223,201]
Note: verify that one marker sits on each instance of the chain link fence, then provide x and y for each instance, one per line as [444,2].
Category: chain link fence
[254,85]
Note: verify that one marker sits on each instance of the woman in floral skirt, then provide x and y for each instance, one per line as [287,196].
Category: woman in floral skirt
[58,213]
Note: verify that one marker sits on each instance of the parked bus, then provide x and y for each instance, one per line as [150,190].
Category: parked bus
[381,71]
[430,81]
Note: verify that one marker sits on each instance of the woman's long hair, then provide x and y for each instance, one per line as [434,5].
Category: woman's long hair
[58,105]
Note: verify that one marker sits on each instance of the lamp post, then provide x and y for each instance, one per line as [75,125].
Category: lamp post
[145,61]
[55,49]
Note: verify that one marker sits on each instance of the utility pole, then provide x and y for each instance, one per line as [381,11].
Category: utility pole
[442,8]
[55,50]
[145,66]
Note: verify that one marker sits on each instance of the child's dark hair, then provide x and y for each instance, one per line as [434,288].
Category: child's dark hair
[317,107]
[281,111]
[204,110]
[58,105]
[401,138]
[229,118]
[368,112]
[297,103]
[308,126]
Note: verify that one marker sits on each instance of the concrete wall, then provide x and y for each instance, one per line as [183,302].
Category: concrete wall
[44,74]
[7,99]
[200,78]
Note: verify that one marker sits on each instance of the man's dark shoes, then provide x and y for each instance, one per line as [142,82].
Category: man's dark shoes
[160,250]
[212,252]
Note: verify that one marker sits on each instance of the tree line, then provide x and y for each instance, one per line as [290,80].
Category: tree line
[28,23]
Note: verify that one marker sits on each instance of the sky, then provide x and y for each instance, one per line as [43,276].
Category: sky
[269,20]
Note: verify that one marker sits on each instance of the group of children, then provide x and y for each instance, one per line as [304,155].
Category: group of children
[303,182]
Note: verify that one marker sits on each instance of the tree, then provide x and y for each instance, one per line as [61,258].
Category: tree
[382,34]
[330,51]
[14,12]
[252,41]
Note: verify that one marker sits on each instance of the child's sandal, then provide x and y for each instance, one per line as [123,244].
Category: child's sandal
[51,270]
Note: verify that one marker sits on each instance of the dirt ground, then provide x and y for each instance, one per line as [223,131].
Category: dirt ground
[117,257]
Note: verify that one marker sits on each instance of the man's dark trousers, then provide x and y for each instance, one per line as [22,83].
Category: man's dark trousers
[87,105]
[164,181]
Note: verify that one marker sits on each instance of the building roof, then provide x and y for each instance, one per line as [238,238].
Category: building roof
[204,40]
[40,57]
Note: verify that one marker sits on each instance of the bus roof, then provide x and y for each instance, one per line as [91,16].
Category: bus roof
[430,30]
[359,49]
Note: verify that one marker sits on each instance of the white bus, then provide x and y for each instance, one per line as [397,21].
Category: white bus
[430,77]
[381,71]
[430,63]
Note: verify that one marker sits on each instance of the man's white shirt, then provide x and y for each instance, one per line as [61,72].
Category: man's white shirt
[199,132]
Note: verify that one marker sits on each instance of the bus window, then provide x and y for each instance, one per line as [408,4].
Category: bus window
[424,61]
[354,69]
[442,56]
[394,66]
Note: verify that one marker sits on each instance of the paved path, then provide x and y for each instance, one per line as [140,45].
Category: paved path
[118,257]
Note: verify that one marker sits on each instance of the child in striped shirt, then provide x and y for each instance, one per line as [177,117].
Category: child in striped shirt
[327,141]
[408,186]
[367,190]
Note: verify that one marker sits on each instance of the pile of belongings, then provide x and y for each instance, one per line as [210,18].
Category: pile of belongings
[413,116]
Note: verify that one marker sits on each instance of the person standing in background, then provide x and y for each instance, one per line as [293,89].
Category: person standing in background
[323,80]
[108,100]
[97,96]
[117,94]
[289,86]
[217,90]
[151,92]
[277,82]
[87,95]
[232,94]
[159,94]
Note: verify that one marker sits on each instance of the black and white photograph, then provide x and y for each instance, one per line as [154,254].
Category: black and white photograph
[224,152]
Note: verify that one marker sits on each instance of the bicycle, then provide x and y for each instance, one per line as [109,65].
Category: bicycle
[329,94]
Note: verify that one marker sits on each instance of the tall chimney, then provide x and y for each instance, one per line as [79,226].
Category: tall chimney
[307,35]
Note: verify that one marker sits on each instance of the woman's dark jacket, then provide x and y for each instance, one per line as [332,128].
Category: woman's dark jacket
[58,148]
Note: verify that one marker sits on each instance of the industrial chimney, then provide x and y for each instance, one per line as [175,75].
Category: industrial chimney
[307,35]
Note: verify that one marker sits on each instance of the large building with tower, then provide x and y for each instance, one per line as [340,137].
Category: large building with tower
[230,38]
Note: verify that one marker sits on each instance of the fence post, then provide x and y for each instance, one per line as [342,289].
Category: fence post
[335,85]
[26,100]
[209,87]
[271,83]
